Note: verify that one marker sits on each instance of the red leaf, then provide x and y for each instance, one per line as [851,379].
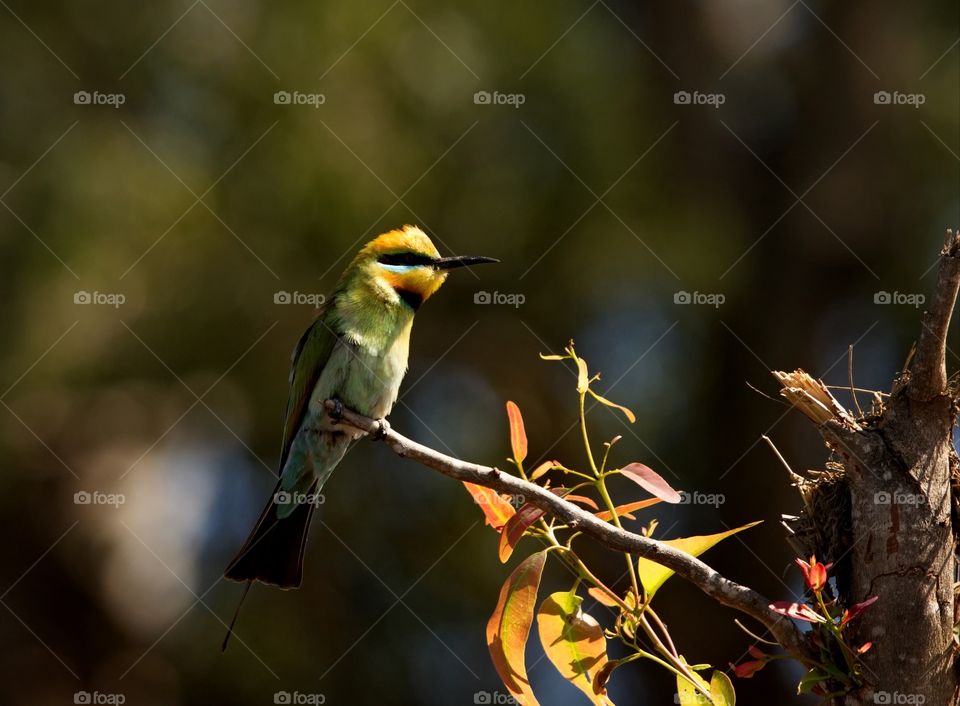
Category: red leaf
[509,626]
[651,481]
[496,510]
[518,435]
[745,670]
[515,527]
[857,609]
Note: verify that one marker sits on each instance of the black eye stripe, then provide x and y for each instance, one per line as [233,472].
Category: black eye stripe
[410,259]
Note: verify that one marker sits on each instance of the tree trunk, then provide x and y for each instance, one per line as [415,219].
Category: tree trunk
[896,464]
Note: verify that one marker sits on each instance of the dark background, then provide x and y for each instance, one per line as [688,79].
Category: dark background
[797,199]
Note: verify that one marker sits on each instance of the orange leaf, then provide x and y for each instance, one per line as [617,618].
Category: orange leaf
[515,527]
[509,626]
[601,597]
[626,510]
[496,510]
[543,468]
[651,481]
[631,417]
[518,435]
[583,500]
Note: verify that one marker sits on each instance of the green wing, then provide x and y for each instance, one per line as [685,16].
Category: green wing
[309,358]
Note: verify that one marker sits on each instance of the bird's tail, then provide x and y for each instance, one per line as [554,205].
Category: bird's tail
[273,553]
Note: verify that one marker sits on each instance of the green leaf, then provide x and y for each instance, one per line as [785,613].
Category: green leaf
[574,642]
[810,680]
[721,690]
[509,626]
[518,435]
[652,575]
[687,694]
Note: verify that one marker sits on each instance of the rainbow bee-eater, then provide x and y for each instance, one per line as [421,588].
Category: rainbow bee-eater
[355,352]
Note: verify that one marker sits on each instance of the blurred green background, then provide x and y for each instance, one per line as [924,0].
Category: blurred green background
[180,185]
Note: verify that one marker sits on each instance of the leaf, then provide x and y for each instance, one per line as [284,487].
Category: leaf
[496,510]
[651,481]
[602,597]
[518,435]
[810,681]
[721,690]
[687,694]
[631,417]
[573,641]
[515,528]
[551,356]
[509,626]
[544,468]
[626,510]
[583,500]
[797,611]
[583,375]
[652,575]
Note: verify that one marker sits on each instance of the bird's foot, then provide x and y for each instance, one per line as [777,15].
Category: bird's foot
[383,428]
[336,410]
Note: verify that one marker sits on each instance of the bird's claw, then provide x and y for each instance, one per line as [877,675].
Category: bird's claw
[383,428]
[336,413]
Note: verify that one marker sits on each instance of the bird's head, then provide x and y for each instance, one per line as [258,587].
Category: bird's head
[406,262]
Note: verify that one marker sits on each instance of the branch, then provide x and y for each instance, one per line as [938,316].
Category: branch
[928,376]
[721,589]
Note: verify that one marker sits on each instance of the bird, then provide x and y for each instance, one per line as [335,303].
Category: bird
[355,352]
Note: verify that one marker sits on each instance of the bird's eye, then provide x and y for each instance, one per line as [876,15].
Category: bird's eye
[408,259]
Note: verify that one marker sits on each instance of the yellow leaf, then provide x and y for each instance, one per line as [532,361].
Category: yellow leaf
[652,575]
[603,400]
[688,694]
[582,376]
[543,468]
[509,626]
[721,690]
[574,642]
[518,435]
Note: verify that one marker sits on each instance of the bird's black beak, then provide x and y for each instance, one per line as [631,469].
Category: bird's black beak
[449,263]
